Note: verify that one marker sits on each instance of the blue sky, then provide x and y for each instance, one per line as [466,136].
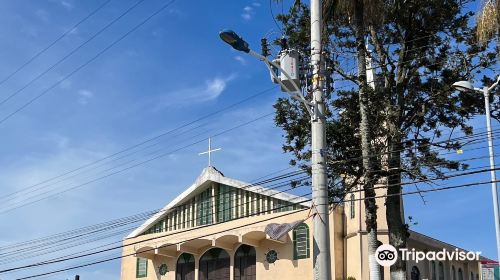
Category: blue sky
[172,70]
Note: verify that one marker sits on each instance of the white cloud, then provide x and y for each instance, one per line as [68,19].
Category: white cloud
[248,12]
[213,88]
[240,59]
[256,4]
[210,90]
[67,4]
[246,16]
[84,96]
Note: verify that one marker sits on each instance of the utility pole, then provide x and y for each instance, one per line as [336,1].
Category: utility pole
[466,86]
[494,190]
[321,247]
[316,109]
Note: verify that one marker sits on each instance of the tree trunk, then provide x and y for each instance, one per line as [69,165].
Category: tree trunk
[366,149]
[398,231]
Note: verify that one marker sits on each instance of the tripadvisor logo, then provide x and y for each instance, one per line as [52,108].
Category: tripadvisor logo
[387,255]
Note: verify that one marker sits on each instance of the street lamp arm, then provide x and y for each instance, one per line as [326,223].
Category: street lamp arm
[495,84]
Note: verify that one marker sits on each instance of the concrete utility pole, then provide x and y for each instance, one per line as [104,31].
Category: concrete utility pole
[467,86]
[494,190]
[321,248]
[316,109]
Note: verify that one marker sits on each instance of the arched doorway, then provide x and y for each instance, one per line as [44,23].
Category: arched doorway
[244,263]
[415,273]
[185,267]
[214,265]
[441,271]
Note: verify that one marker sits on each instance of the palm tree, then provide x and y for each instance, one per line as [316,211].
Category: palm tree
[488,22]
[360,11]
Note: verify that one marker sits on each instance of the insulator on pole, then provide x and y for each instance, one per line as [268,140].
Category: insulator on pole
[284,43]
[265,47]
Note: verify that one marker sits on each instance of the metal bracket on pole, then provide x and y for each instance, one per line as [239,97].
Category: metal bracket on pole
[294,94]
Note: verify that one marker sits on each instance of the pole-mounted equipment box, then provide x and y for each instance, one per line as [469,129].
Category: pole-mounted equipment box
[289,61]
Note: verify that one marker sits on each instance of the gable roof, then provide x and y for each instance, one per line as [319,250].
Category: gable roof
[211,174]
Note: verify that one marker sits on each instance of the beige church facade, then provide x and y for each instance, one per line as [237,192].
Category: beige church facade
[221,228]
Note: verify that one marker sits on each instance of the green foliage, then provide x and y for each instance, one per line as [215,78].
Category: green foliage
[419,49]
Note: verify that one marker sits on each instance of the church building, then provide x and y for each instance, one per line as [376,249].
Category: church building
[221,228]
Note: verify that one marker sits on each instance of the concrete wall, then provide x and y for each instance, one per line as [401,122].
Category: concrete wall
[231,238]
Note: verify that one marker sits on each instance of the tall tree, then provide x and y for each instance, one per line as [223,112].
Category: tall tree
[358,12]
[488,22]
[421,48]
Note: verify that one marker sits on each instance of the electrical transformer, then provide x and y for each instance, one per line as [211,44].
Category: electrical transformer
[289,61]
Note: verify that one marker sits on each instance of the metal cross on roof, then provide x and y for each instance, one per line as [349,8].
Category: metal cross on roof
[210,151]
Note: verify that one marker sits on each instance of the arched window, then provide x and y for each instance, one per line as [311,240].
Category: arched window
[460,274]
[214,264]
[441,271]
[185,267]
[353,209]
[301,242]
[433,270]
[245,260]
[415,273]
[453,273]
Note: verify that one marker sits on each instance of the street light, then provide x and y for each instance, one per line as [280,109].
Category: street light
[231,38]
[316,109]
[235,41]
[466,86]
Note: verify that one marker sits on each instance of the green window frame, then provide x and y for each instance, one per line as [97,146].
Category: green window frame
[224,204]
[205,207]
[353,207]
[237,202]
[141,268]
[247,204]
[301,244]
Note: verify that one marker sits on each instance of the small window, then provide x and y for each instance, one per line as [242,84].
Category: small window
[142,268]
[301,242]
[415,273]
[353,209]
[441,271]
[433,270]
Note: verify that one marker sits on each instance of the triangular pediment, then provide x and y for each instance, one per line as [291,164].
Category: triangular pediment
[208,176]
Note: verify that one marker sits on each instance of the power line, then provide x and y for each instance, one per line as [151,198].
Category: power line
[46,48]
[296,211]
[150,213]
[44,247]
[254,213]
[21,204]
[141,162]
[110,259]
[71,52]
[463,174]
[76,70]
[444,188]
[129,148]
